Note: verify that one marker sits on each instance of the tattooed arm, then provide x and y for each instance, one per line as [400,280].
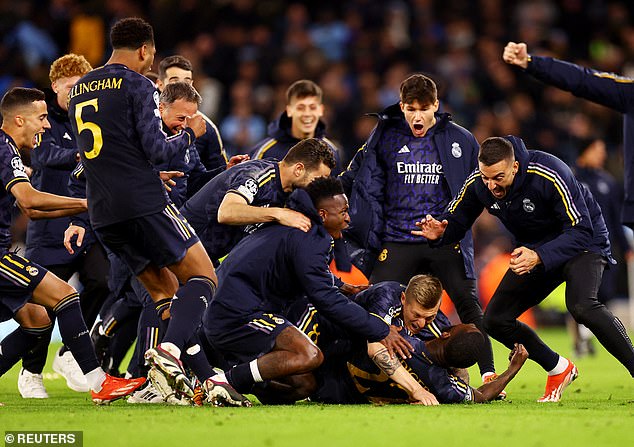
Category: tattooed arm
[395,371]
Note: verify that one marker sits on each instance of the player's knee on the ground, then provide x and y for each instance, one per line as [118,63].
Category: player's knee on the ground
[32,316]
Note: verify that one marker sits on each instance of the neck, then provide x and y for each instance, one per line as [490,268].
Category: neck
[436,353]
[301,136]
[128,58]
[11,131]
[286,176]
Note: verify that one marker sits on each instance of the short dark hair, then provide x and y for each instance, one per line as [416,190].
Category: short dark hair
[179,90]
[495,149]
[17,98]
[324,188]
[311,152]
[131,33]
[303,89]
[463,349]
[174,61]
[418,87]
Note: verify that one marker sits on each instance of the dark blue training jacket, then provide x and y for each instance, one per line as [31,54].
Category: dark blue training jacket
[52,161]
[546,209]
[276,265]
[363,180]
[280,140]
[607,89]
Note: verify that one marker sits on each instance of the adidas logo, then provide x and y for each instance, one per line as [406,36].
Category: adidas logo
[66,136]
[403,150]
[495,206]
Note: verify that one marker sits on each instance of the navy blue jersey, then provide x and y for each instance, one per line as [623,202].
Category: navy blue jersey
[546,209]
[11,172]
[273,267]
[52,161]
[210,148]
[257,181]
[115,118]
[616,92]
[372,383]
[415,182]
[384,299]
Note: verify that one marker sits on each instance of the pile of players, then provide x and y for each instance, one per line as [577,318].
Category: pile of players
[222,270]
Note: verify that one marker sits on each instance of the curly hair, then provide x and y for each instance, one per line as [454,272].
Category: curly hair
[68,66]
[131,33]
[323,188]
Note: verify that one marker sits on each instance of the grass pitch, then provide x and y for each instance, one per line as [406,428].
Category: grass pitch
[597,410]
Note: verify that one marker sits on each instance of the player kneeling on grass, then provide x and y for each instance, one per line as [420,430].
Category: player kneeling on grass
[24,284]
[265,273]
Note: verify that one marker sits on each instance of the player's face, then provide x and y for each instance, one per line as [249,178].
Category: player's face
[420,117]
[307,176]
[415,316]
[176,74]
[175,115]
[334,213]
[304,114]
[61,87]
[34,120]
[499,177]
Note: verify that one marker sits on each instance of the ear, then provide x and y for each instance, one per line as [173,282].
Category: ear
[143,52]
[403,298]
[54,86]
[299,169]
[288,111]
[160,85]
[322,213]
[436,105]
[402,106]
[321,110]
[18,120]
[161,107]
[516,166]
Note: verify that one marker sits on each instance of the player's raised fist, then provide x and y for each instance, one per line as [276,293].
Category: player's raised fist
[197,124]
[516,54]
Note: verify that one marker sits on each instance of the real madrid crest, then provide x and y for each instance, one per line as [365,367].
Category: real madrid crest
[33,271]
[528,206]
[456,150]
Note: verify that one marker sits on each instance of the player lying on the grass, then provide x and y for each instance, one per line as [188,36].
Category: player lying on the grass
[23,282]
[355,371]
[561,237]
[266,272]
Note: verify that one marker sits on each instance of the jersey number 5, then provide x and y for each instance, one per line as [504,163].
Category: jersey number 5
[97,138]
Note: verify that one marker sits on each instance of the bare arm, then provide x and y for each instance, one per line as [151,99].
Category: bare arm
[234,210]
[491,390]
[394,369]
[42,205]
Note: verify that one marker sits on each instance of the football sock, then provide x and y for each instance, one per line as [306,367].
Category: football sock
[187,309]
[561,366]
[242,377]
[195,358]
[74,332]
[19,342]
[35,359]
[95,379]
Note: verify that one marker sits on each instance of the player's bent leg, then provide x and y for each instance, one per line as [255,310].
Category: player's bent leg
[64,301]
[34,325]
[286,391]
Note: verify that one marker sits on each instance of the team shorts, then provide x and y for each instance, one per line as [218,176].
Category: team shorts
[161,239]
[18,278]
[245,338]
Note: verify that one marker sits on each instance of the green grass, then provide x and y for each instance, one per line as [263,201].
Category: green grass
[597,410]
